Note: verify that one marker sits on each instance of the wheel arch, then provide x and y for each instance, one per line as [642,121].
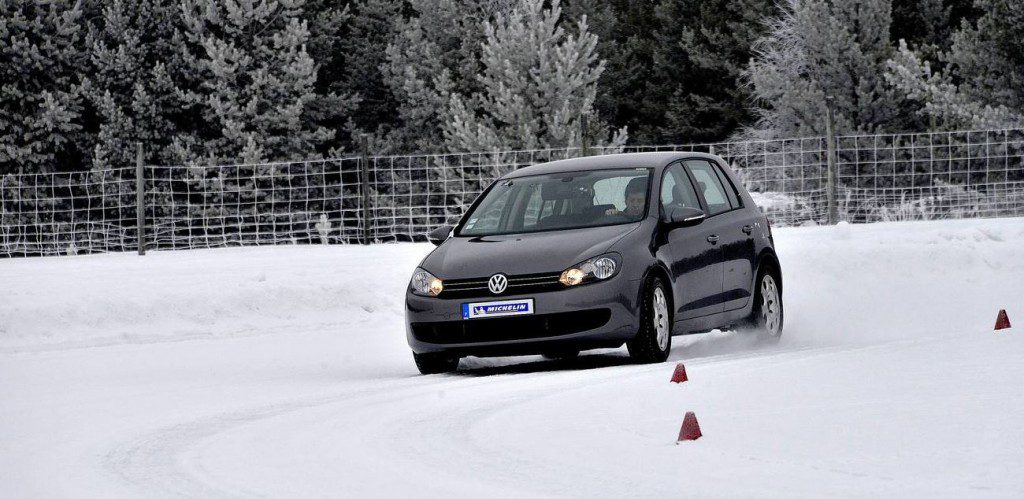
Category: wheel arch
[769,259]
[658,269]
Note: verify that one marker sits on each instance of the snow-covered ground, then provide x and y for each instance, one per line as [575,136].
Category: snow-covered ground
[284,372]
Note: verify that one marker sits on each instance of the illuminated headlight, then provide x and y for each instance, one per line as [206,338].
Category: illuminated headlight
[424,283]
[595,269]
[572,277]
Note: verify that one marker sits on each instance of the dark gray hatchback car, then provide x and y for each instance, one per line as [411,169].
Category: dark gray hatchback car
[596,252]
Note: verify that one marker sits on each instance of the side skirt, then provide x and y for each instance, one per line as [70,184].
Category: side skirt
[703,324]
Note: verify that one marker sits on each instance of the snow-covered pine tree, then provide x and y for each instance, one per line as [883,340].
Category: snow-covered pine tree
[927,25]
[135,82]
[982,85]
[436,52]
[537,79]
[820,48]
[41,60]
[257,82]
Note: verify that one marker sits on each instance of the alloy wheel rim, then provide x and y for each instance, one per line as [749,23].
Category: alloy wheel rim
[771,309]
[660,318]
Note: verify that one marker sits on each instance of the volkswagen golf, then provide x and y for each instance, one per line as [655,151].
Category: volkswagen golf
[596,252]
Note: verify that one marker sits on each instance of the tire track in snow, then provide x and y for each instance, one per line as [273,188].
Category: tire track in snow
[155,463]
[152,460]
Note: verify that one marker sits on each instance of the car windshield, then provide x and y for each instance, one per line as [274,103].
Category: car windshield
[558,201]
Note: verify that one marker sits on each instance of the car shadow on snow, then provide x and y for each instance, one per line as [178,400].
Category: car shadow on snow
[710,345]
[489,366]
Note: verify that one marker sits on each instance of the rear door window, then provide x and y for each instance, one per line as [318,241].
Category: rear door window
[710,185]
[730,189]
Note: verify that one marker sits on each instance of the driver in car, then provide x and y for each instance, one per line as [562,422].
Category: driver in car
[635,197]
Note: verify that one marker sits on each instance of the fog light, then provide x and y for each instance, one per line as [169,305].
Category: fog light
[572,277]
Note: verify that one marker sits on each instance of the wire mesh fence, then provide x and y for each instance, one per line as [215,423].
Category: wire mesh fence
[925,176]
[253,204]
[68,213]
[401,198]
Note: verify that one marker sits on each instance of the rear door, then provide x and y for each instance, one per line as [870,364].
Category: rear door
[734,227]
[696,256]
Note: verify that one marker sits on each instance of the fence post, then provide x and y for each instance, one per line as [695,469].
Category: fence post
[364,186]
[831,185]
[140,196]
[584,136]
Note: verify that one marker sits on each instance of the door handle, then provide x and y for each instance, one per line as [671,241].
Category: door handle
[747,229]
[713,239]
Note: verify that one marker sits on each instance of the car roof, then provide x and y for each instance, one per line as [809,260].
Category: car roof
[608,162]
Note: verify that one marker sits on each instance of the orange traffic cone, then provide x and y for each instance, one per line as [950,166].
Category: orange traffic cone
[679,375]
[1002,321]
[690,429]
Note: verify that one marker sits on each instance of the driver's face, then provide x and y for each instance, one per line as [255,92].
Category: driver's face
[635,203]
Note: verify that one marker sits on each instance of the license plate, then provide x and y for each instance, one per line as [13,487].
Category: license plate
[497,308]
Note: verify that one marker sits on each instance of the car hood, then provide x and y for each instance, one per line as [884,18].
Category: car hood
[515,254]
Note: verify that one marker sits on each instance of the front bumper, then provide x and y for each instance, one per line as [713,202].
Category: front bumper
[596,315]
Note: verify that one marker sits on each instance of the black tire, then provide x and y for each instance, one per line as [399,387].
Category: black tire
[645,347]
[435,363]
[766,326]
[561,354]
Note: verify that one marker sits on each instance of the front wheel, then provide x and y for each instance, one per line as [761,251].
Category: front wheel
[654,338]
[435,363]
[766,316]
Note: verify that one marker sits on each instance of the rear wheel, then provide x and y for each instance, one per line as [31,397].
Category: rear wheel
[766,316]
[435,363]
[653,341]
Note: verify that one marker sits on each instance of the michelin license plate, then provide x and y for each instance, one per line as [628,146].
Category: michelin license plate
[497,308]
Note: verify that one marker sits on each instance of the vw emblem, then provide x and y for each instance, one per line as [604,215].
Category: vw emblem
[497,283]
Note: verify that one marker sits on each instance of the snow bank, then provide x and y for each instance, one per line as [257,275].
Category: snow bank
[863,283]
[124,298]
[848,283]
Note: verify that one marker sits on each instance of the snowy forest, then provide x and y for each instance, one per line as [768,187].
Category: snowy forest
[221,81]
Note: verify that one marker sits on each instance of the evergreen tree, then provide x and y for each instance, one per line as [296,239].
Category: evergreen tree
[436,52]
[537,79]
[704,47]
[135,85]
[257,82]
[335,103]
[928,25]
[41,57]
[983,81]
[673,68]
[988,56]
[362,50]
[820,48]
[628,90]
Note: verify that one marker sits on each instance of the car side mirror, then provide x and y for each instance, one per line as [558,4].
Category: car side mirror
[685,216]
[439,235]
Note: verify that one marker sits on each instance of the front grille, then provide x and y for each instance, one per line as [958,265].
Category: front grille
[517,285]
[510,328]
